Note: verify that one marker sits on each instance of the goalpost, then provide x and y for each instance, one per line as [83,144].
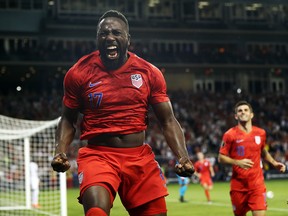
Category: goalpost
[23,141]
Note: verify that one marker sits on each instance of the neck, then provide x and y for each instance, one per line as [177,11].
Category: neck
[116,64]
[245,126]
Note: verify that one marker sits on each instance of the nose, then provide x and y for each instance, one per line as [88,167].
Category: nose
[110,37]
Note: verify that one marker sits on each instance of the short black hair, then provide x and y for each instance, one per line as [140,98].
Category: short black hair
[243,102]
[114,13]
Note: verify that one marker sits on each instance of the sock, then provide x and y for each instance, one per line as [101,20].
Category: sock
[96,212]
[207,194]
[183,190]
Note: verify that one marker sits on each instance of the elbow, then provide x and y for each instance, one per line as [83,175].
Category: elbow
[220,159]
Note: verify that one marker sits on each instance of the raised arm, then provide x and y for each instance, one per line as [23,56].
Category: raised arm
[174,136]
[64,136]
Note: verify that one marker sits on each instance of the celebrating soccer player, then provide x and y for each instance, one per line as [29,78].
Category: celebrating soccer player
[242,147]
[113,89]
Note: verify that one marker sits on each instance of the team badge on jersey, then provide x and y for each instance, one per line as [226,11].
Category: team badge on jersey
[80,178]
[136,80]
[257,140]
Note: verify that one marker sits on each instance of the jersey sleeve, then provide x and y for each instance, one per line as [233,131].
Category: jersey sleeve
[196,167]
[264,140]
[71,89]
[158,87]
[226,144]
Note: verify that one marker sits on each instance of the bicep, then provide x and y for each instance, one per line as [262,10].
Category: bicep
[163,112]
[69,115]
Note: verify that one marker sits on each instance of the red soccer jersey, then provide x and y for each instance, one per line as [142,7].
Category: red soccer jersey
[116,101]
[203,168]
[239,145]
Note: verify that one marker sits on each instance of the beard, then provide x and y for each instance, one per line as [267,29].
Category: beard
[113,63]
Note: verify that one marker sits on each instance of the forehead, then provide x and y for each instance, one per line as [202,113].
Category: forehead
[112,22]
[243,107]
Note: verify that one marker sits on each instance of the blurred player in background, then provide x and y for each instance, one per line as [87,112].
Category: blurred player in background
[242,147]
[183,182]
[113,89]
[204,171]
[34,182]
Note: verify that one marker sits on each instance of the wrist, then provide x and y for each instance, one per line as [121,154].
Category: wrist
[235,162]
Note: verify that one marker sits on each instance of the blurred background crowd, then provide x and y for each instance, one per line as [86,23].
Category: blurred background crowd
[212,54]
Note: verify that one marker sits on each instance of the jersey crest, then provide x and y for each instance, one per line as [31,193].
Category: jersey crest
[257,140]
[136,80]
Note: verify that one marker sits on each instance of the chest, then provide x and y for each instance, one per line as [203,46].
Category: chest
[247,144]
[102,89]
[204,166]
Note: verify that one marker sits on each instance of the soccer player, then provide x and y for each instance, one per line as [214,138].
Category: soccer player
[242,147]
[113,89]
[34,183]
[204,171]
[183,182]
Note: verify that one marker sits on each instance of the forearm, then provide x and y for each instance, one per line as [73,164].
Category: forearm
[175,138]
[267,157]
[64,136]
[226,160]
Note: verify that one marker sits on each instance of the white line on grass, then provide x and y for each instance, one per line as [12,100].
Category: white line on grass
[223,204]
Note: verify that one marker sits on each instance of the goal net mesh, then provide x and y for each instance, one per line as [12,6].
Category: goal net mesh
[21,142]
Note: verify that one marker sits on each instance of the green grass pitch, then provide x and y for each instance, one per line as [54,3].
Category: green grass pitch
[196,202]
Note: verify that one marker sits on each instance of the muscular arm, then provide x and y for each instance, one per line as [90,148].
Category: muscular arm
[267,156]
[64,136]
[174,136]
[65,131]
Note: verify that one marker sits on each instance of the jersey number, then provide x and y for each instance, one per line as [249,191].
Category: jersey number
[240,150]
[95,99]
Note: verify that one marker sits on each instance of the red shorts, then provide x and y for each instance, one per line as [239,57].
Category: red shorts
[132,172]
[206,180]
[253,200]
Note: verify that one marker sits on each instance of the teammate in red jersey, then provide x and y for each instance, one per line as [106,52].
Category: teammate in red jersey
[242,147]
[113,89]
[204,170]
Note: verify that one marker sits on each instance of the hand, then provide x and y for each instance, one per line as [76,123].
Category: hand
[184,168]
[60,163]
[245,163]
[280,166]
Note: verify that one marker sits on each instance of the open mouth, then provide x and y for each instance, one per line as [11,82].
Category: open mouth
[112,52]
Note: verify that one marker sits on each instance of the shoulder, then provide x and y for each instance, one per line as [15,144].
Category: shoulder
[259,130]
[231,131]
[82,66]
[142,63]
[86,61]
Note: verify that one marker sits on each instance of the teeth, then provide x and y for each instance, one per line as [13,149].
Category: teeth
[111,47]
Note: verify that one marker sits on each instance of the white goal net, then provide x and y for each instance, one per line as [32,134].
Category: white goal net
[28,188]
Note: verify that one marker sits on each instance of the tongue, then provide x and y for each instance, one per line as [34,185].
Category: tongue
[112,54]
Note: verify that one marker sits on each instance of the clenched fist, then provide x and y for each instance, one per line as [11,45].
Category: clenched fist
[60,163]
[184,168]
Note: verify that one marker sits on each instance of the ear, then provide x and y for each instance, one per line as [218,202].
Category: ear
[129,38]
[235,116]
[252,115]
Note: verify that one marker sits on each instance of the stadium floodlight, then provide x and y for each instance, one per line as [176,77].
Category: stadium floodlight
[23,141]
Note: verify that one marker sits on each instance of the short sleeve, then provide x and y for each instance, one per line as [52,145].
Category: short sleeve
[71,89]
[225,144]
[158,87]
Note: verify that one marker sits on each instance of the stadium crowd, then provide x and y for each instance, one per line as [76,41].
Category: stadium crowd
[70,51]
[204,117]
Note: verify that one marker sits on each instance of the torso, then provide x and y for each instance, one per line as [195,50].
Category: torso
[240,145]
[119,141]
[114,104]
